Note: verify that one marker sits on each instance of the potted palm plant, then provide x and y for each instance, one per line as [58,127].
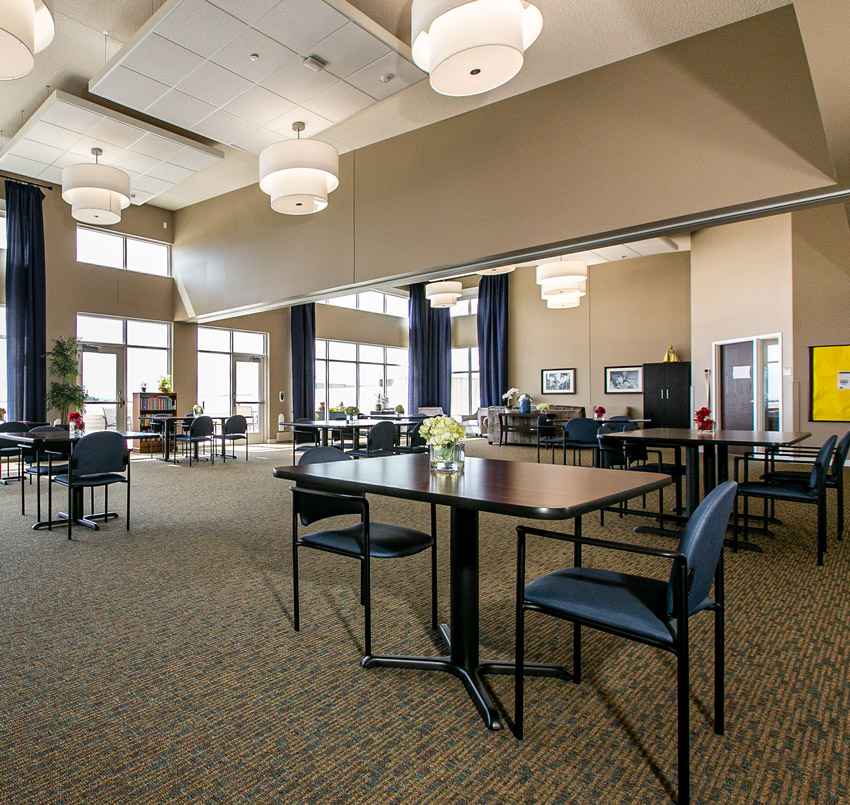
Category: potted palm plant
[64,393]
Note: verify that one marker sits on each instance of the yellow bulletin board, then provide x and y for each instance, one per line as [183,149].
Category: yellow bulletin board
[830,383]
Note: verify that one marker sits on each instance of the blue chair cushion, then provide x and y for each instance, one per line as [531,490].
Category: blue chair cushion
[553,440]
[635,604]
[803,494]
[385,541]
[45,469]
[99,479]
[797,477]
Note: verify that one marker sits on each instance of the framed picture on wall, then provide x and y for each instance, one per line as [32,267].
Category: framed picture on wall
[624,379]
[557,381]
[829,381]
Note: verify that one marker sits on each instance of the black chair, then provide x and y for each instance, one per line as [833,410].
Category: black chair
[642,609]
[580,434]
[415,442]
[364,541]
[618,423]
[546,435]
[637,456]
[159,424]
[35,468]
[99,459]
[812,492]
[235,430]
[304,438]
[380,441]
[201,432]
[10,450]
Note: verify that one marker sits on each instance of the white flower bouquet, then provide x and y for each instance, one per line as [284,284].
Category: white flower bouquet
[509,395]
[441,430]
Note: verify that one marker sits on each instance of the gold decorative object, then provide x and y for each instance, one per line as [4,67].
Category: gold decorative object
[670,356]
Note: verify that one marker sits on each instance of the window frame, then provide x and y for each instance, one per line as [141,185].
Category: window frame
[124,238]
[473,370]
[357,295]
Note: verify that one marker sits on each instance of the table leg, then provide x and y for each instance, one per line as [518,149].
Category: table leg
[463,660]
[691,493]
[77,513]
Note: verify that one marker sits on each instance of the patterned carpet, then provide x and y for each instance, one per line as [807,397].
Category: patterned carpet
[160,665]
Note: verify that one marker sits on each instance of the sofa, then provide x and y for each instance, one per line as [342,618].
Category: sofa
[529,437]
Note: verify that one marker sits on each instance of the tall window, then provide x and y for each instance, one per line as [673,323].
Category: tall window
[121,251]
[466,395]
[4,389]
[355,374]
[372,301]
[464,307]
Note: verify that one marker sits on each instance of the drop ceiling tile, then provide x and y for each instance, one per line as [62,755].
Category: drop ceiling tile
[115,132]
[84,145]
[193,159]
[180,109]
[162,60]
[138,197]
[21,165]
[213,84]
[147,184]
[339,102]
[620,252]
[154,146]
[51,174]
[259,105]
[169,173]
[49,134]
[130,88]
[591,258]
[70,117]
[300,24]
[69,158]
[224,127]
[654,246]
[404,74]
[348,49]
[271,56]
[39,152]
[297,83]
[200,27]
[246,10]
[131,161]
[314,123]
[257,140]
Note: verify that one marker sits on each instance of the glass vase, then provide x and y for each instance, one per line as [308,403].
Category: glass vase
[447,458]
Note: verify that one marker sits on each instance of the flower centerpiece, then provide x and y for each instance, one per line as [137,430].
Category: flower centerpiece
[75,422]
[197,409]
[525,403]
[351,412]
[399,410]
[382,402]
[444,438]
[508,397]
[704,422]
[2,414]
[599,412]
[542,407]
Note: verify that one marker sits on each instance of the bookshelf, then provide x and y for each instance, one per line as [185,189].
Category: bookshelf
[146,403]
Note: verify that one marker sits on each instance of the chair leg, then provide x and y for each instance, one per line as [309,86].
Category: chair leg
[840,490]
[821,528]
[682,697]
[519,653]
[434,566]
[367,591]
[246,447]
[719,651]
[71,511]
[296,612]
[128,504]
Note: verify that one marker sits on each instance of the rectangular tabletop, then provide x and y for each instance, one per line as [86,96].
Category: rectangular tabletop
[684,436]
[48,437]
[334,424]
[520,489]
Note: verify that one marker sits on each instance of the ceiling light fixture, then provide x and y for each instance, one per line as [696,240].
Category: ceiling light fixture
[97,193]
[499,270]
[559,286]
[299,174]
[472,47]
[26,27]
[443,294]
[566,269]
[562,302]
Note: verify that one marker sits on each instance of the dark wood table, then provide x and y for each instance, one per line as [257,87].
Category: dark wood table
[325,426]
[517,489]
[52,441]
[168,425]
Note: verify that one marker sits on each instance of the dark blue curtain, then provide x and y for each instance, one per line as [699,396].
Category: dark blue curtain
[417,348]
[493,337]
[26,339]
[303,338]
[439,377]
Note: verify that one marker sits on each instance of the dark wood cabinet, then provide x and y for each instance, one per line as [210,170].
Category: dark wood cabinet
[667,394]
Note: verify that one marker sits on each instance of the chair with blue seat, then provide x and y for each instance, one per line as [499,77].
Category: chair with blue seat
[547,435]
[34,466]
[415,442]
[235,430]
[618,423]
[201,432]
[364,541]
[580,434]
[642,609]
[813,492]
[380,441]
[98,460]
[10,450]
[637,456]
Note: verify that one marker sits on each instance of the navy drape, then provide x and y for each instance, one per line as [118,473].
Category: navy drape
[493,337]
[439,377]
[303,338]
[417,348]
[26,322]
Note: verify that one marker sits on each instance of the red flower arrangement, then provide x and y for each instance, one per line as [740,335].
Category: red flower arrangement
[75,420]
[599,411]
[703,419]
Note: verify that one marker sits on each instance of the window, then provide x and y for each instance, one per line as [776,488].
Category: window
[4,389]
[373,302]
[121,251]
[355,374]
[464,307]
[466,396]
[2,230]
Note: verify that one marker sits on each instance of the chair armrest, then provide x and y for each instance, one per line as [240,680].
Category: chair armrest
[359,500]
[601,543]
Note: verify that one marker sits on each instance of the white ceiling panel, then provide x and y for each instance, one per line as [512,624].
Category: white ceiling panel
[349,49]
[271,56]
[257,140]
[621,252]
[248,11]
[131,89]
[77,126]
[339,102]
[200,27]
[259,105]
[162,60]
[224,127]
[300,24]
[180,109]
[297,83]
[403,74]
[655,246]
[313,123]
[214,84]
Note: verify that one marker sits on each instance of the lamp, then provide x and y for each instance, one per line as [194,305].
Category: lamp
[299,174]
[500,270]
[472,47]
[562,302]
[444,293]
[97,193]
[567,269]
[26,28]
[560,286]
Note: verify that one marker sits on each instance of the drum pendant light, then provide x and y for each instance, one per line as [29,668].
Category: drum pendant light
[299,174]
[26,28]
[97,193]
[443,294]
[470,47]
[500,270]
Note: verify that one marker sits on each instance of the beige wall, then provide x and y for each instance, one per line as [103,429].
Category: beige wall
[723,118]
[821,298]
[342,324]
[632,311]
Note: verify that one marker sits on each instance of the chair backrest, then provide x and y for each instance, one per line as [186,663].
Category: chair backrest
[202,426]
[839,456]
[416,439]
[636,451]
[98,452]
[29,453]
[310,509]
[609,455]
[381,436]
[581,429]
[13,427]
[305,434]
[236,424]
[619,419]
[818,472]
[702,543]
[545,428]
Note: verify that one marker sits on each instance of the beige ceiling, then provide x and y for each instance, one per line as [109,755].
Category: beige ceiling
[578,35]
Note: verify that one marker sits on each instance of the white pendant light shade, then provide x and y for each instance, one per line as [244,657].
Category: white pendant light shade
[443,300]
[562,302]
[560,286]
[568,269]
[45,26]
[472,47]
[499,270]
[17,38]
[443,294]
[299,174]
[97,193]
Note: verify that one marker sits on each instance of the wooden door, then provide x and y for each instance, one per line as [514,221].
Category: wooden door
[736,386]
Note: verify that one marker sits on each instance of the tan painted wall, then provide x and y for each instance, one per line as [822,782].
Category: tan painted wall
[632,311]
[821,298]
[342,324]
[722,118]
[741,287]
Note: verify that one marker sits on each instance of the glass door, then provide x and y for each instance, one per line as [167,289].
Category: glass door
[103,376]
[248,394]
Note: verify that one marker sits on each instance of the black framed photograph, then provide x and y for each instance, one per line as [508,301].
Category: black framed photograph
[624,379]
[557,381]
